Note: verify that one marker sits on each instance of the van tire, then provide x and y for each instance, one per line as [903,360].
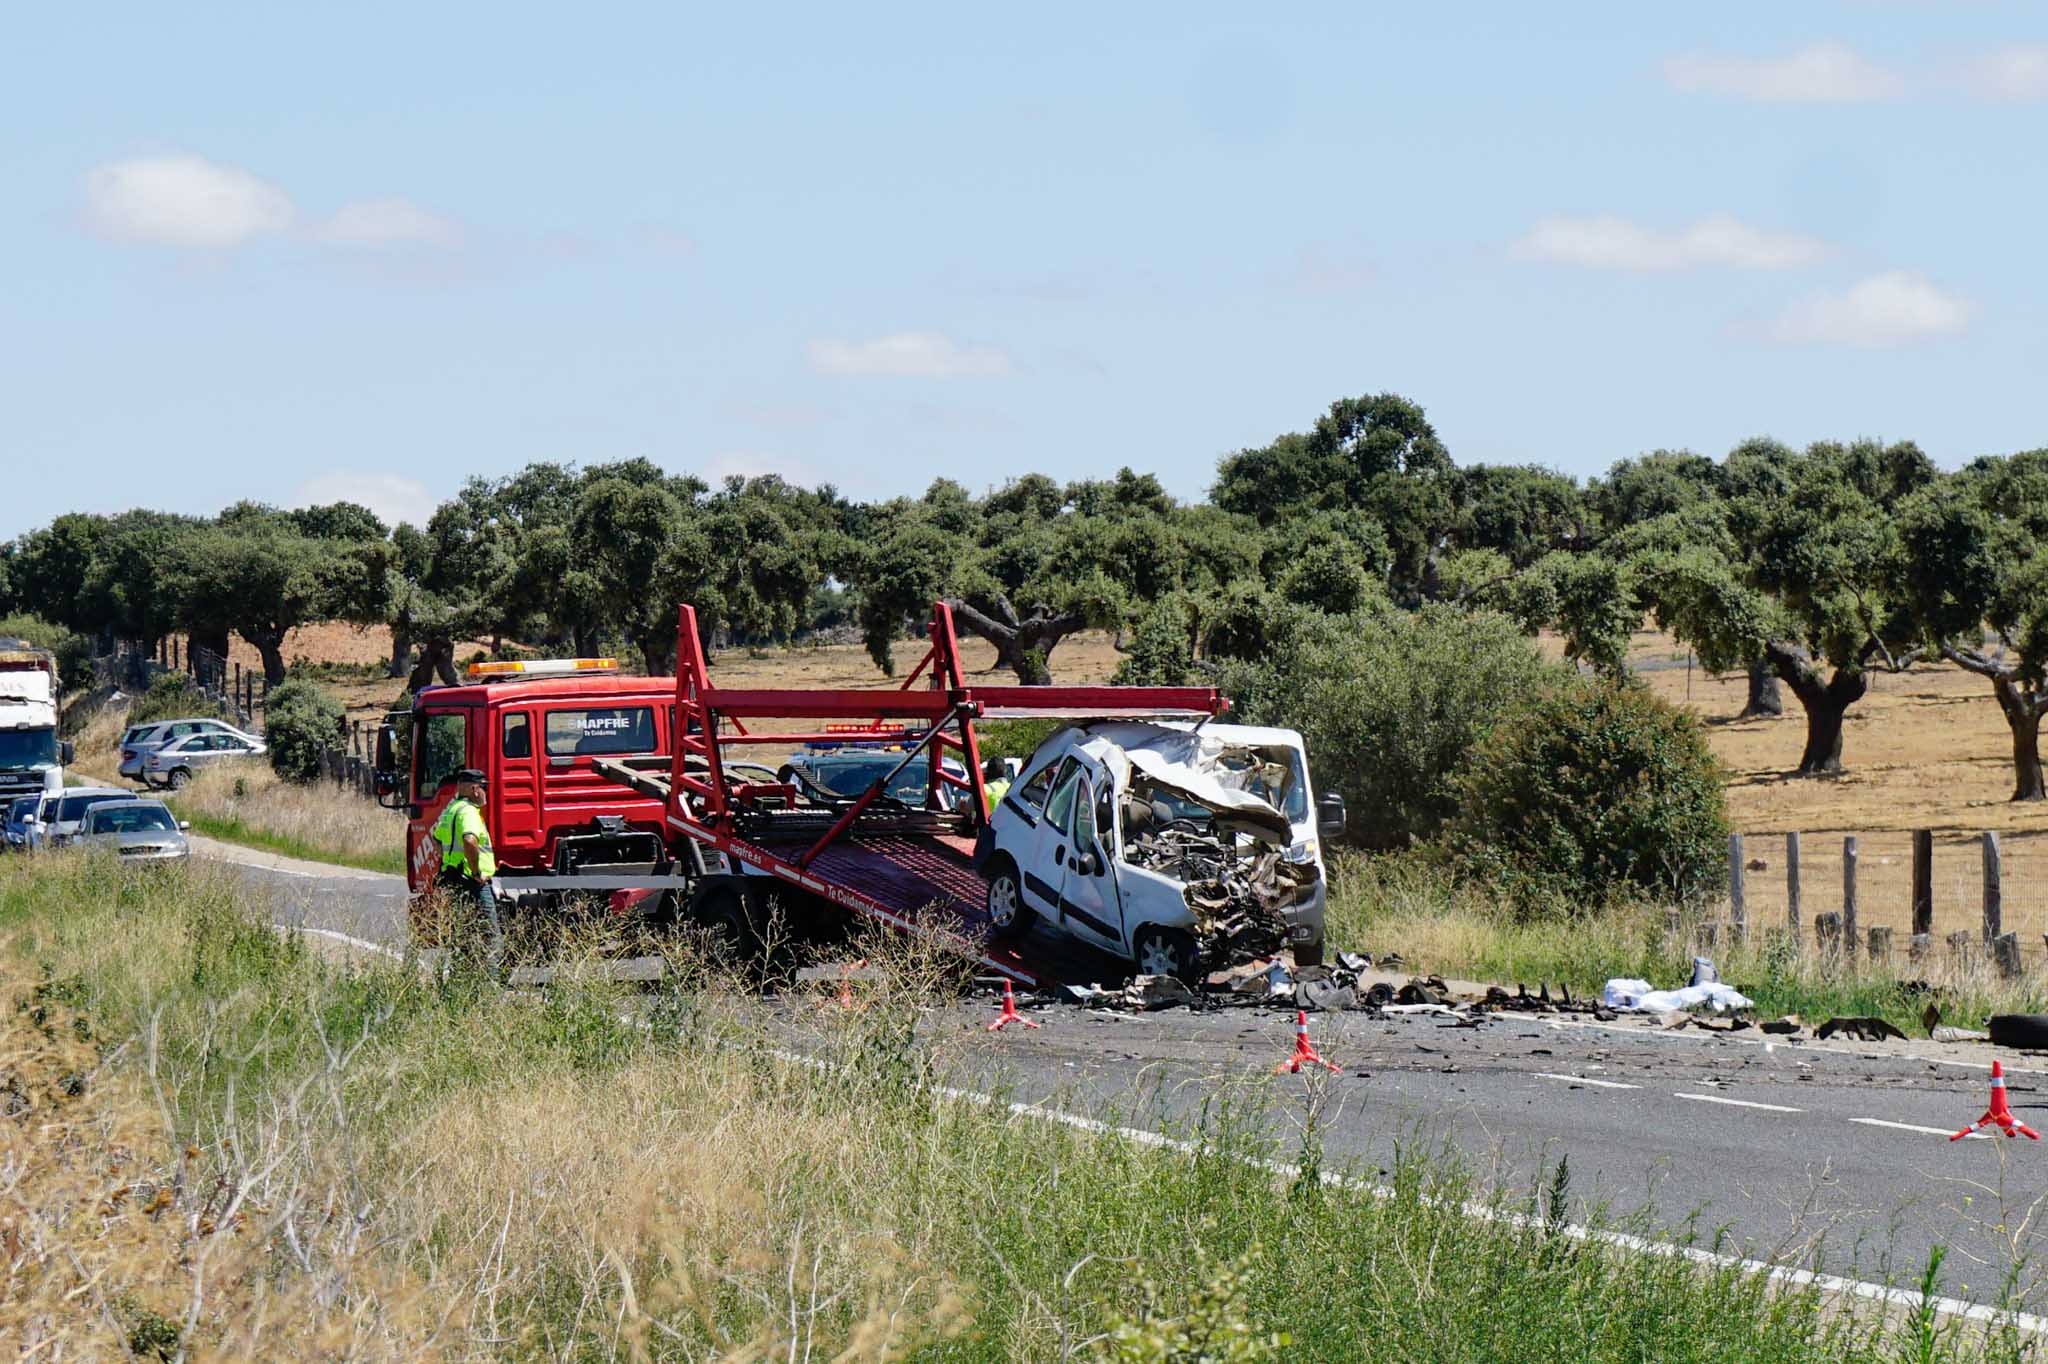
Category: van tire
[1008,914]
[1167,952]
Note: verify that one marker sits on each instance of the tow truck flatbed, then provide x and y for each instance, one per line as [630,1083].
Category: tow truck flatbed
[911,869]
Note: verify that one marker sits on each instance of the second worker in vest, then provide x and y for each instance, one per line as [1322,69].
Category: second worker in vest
[467,865]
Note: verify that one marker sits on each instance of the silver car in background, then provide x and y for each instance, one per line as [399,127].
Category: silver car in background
[136,831]
[142,740]
[174,763]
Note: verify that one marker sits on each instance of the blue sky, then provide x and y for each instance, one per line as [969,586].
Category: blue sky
[300,252]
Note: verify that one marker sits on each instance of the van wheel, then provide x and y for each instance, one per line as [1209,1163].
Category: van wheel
[180,779]
[1166,952]
[1008,915]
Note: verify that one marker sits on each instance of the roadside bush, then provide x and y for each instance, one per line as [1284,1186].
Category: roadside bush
[1390,703]
[73,650]
[1589,793]
[173,696]
[300,722]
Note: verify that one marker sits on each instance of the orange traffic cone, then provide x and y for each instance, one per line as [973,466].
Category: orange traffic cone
[1009,1014]
[846,982]
[1304,1050]
[1999,1115]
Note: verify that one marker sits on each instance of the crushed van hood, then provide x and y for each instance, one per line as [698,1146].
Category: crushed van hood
[1236,811]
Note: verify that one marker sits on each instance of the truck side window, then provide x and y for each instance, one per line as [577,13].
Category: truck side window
[1060,809]
[1084,823]
[1105,820]
[518,736]
[443,750]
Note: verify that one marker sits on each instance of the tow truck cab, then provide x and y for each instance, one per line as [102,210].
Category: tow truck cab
[534,729]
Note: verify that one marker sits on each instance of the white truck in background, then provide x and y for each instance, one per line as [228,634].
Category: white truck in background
[32,758]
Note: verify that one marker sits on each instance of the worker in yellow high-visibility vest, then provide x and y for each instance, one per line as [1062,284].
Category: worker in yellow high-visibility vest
[467,864]
[995,780]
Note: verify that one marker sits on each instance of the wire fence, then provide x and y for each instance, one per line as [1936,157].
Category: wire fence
[1916,893]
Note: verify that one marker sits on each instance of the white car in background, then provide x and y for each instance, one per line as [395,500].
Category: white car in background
[174,763]
[142,740]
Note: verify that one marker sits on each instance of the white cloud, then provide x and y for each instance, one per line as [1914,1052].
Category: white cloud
[667,241]
[1892,309]
[1608,242]
[908,355]
[182,201]
[1321,270]
[393,497]
[377,223]
[1826,73]
[2011,74]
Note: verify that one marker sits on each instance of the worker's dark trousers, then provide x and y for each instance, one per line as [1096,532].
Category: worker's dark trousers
[479,894]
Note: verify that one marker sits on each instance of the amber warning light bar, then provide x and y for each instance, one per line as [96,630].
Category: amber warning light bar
[540,667]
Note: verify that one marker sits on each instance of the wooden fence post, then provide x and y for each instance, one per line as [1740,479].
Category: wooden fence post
[1923,882]
[1849,887]
[1994,889]
[1738,909]
[1881,946]
[1792,886]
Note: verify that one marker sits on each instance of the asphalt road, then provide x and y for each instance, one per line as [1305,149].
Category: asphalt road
[1831,1157]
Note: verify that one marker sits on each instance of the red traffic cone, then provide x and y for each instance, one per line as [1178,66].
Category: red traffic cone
[1304,1050]
[1009,1014]
[1999,1115]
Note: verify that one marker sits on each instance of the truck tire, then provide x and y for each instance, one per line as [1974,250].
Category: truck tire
[1167,952]
[723,911]
[1008,915]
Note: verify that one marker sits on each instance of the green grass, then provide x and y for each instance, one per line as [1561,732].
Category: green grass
[229,830]
[1412,906]
[556,1181]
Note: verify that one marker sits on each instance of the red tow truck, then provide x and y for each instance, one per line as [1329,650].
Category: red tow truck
[647,790]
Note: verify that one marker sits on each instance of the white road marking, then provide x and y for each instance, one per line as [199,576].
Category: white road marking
[1583,1080]
[364,945]
[1914,1127]
[1737,1103]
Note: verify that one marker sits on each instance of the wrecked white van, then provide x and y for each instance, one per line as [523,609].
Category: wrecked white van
[1180,847]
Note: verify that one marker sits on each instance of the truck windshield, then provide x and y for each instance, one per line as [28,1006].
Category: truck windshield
[27,747]
[613,729]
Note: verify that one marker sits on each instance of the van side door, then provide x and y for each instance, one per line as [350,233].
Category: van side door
[1089,903]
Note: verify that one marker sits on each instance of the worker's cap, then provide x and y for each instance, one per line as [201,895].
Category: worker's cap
[470,774]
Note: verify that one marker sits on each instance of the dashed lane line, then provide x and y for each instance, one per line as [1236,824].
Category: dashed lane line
[1737,1103]
[1585,1080]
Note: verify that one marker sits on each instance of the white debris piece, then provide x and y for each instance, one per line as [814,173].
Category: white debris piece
[1625,995]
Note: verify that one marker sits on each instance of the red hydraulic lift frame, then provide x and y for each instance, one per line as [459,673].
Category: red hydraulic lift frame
[701,804]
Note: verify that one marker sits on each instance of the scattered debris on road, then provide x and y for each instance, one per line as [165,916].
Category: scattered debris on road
[1860,1028]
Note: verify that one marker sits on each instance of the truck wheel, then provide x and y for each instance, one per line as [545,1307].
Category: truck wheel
[724,912]
[1008,915]
[1166,952]
[180,778]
